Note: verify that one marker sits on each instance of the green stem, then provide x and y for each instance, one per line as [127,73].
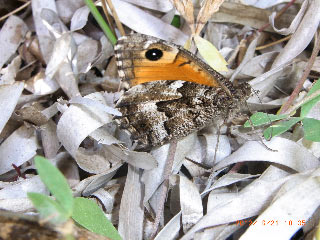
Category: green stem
[104,26]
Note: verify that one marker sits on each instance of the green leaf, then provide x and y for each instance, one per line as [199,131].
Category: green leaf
[55,182]
[279,128]
[311,128]
[260,118]
[307,106]
[48,208]
[211,54]
[176,21]
[88,214]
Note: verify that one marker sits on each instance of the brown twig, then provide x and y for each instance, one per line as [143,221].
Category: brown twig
[116,19]
[273,43]
[312,96]
[165,185]
[106,13]
[306,72]
[15,11]
[282,11]
[18,171]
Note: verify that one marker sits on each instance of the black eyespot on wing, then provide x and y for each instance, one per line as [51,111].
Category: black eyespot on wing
[154,54]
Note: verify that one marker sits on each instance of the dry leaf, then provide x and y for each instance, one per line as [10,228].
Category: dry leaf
[208,8]
[19,189]
[295,22]
[302,36]
[79,18]
[9,95]
[287,153]
[131,210]
[78,121]
[210,54]
[289,212]
[143,22]
[191,204]
[46,40]
[251,17]
[18,148]
[158,5]
[185,8]
[11,35]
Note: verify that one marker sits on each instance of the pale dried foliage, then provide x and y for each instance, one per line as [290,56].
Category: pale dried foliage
[208,8]
[59,85]
[185,8]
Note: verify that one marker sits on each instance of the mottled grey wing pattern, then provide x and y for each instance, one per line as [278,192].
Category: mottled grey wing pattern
[156,112]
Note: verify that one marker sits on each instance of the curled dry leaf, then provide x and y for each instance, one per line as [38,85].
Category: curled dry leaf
[11,35]
[295,22]
[103,136]
[229,206]
[20,189]
[78,121]
[18,148]
[46,40]
[298,203]
[233,12]
[105,198]
[91,184]
[302,36]
[96,104]
[229,179]
[142,160]
[171,229]
[281,151]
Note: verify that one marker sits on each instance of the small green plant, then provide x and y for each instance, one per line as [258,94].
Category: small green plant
[84,211]
[283,122]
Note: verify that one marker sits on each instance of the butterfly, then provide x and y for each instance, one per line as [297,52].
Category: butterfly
[172,92]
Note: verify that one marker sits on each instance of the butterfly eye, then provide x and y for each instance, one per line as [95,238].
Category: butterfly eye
[154,54]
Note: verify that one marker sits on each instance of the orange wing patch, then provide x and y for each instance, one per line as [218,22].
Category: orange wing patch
[143,59]
[181,68]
